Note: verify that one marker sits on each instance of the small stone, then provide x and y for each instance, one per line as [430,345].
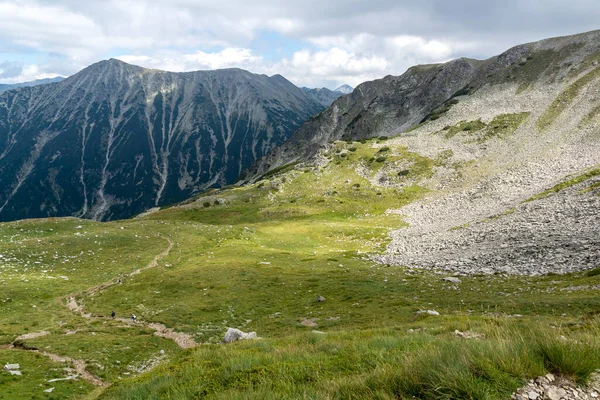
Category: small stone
[427,312]
[541,380]
[552,393]
[9,367]
[452,279]
[320,299]
[531,395]
[49,390]
[550,377]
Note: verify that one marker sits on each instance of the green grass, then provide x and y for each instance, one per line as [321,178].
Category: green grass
[501,126]
[257,259]
[36,371]
[566,184]
[565,98]
[463,126]
[383,363]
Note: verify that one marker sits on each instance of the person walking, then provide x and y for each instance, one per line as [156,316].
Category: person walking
[113,314]
[133,317]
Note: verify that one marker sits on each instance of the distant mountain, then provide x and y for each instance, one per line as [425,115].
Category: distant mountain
[345,89]
[323,96]
[116,139]
[5,87]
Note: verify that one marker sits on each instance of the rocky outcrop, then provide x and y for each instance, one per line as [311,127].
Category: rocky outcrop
[116,139]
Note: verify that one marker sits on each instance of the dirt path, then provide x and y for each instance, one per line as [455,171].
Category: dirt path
[69,301]
[183,340]
[78,365]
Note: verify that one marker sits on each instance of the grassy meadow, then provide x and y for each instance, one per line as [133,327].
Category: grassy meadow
[256,258]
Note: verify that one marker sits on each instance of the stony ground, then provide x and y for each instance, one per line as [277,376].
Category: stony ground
[475,221]
[550,387]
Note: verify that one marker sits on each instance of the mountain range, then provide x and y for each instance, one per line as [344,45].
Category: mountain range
[115,139]
[394,105]
[5,87]
[325,96]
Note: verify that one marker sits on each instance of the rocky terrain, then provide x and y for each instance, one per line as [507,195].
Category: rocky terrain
[323,96]
[550,387]
[500,132]
[116,139]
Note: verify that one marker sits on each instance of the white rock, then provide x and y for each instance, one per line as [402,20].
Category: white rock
[452,279]
[532,395]
[233,334]
[49,390]
[552,393]
[9,367]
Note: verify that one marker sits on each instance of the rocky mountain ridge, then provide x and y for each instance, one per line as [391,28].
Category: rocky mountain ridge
[395,104]
[37,82]
[323,96]
[514,147]
[117,139]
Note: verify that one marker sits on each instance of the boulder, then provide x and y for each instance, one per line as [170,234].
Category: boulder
[233,334]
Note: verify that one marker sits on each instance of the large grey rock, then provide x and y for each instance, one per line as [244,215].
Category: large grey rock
[234,334]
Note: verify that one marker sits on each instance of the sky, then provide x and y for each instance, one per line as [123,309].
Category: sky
[313,43]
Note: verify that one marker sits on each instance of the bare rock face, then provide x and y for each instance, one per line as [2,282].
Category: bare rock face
[233,335]
[115,139]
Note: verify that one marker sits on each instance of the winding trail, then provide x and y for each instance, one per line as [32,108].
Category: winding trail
[69,301]
[183,340]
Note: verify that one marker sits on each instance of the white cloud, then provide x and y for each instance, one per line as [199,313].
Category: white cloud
[334,41]
[226,58]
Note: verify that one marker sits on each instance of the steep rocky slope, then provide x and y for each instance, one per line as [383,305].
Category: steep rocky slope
[117,139]
[499,133]
[395,104]
[323,96]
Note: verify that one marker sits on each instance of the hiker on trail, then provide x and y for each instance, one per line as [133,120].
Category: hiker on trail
[133,318]
[113,314]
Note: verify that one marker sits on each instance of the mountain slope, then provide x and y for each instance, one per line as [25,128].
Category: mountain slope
[5,87]
[116,139]
[395,104]
[323,96]
[513,145]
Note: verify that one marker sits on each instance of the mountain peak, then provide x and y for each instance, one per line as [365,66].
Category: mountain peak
[346,89]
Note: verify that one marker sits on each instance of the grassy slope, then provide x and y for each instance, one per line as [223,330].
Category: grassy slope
[257,260]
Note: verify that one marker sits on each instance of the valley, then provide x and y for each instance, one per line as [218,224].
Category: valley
[407,242]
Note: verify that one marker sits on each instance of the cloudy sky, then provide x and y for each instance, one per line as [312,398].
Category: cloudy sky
[311,42]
